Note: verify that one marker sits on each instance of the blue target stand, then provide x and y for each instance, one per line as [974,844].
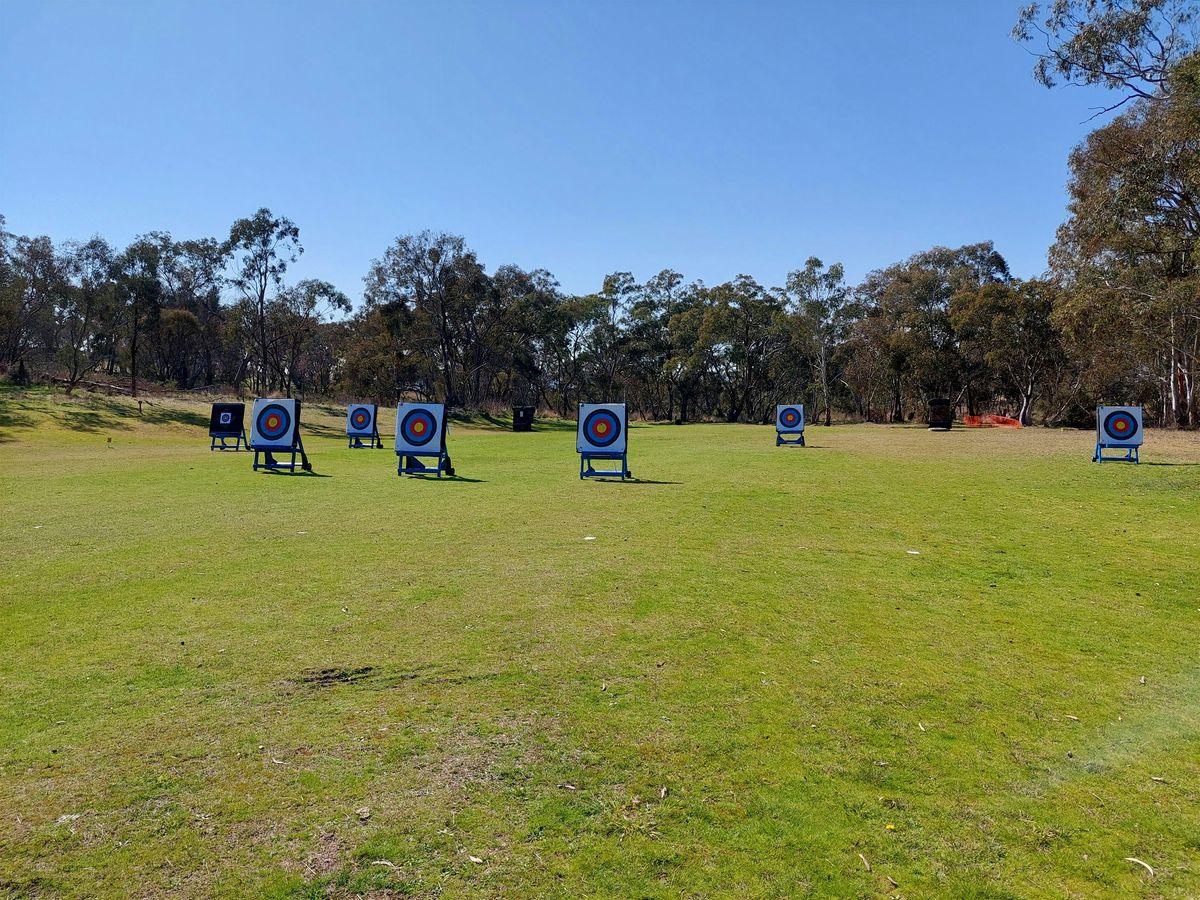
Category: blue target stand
[421,434]
[362,421]
[1118,428]
[789,425]
[275,428]
[227,422]
[603,435]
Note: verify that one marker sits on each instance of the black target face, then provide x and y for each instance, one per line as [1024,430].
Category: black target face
[361,419]
[418,427]
[602,427]
[789,417]
[1120,425]
[274,422]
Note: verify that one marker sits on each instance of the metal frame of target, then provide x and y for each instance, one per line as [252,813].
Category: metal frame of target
[789,419]
[603,434]
[1118,428]
[275,428]
[227,422]
[421,433]
[362,421]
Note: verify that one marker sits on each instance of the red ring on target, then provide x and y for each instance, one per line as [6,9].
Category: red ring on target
[1120,425]
[418,427]
[602,428]
[274,422]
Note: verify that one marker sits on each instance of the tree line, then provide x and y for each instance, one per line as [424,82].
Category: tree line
[1116,318]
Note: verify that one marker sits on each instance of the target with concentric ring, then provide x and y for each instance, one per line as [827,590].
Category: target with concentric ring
[274,422]
[360,419]
[602,428]
[1120,425]
[790,417]
[418,427]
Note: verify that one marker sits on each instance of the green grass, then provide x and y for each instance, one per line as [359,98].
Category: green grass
[745,685]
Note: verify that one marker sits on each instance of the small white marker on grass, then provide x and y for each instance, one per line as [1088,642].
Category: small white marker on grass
[590,537]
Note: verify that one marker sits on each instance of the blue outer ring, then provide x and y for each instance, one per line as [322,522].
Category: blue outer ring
[1121,414]
[285,419]
[405,427]
[589,424]
[790,409]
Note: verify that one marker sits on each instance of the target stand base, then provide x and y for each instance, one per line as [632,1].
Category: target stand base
[410,464]
[586,470]
[1131,453]
[355,441]
[270,464]
[781,441]
[240,442]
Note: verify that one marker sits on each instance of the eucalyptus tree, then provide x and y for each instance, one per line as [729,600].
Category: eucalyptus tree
[261,248]
[438,282]
[821,296]
[37,287]
[88,311]
[298,317]
[1128,46]
[139,292]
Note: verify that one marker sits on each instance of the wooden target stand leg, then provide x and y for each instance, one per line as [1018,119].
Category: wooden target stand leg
[587,471]
[781,442]
[354,442]
[410,464]
[240,442]
[272,465]
[1131,454]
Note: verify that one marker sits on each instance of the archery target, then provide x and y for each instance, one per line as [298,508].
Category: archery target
[360,420]
[420,428]
[789,418]
[274,424]
[226,419]
[602,428]
[1119,426]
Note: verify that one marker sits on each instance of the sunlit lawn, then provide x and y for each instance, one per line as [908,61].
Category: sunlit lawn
[892,662]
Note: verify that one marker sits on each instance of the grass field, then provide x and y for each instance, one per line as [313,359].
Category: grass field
[892,663]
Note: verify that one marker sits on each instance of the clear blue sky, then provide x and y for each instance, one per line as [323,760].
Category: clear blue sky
[585,138]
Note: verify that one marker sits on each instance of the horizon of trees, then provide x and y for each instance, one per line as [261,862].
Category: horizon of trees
[1116,318]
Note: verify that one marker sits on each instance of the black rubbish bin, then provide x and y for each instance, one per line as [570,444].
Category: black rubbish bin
[522,418]
[941,414]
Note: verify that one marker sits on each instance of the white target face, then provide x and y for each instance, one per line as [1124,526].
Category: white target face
[420,428]
[274,424]
[789,418]
[226,418]
[360,420]
[1119,426]
[603,428]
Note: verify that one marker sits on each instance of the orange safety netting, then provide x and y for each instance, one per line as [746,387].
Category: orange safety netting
[990,422]
[1003,422]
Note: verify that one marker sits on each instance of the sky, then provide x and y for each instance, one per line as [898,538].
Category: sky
[714,138]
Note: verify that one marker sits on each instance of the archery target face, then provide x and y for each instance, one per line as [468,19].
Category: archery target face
[360,419]
[1119,426]
[602,428]
[274,424]
[789,418]
[419,427]
[226,419]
